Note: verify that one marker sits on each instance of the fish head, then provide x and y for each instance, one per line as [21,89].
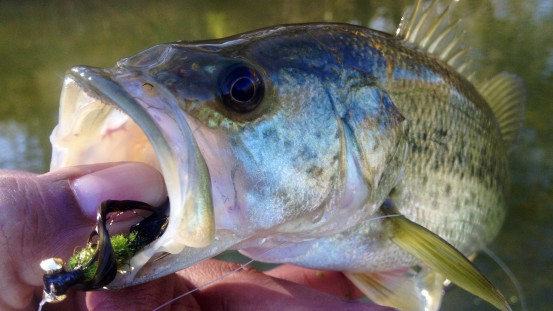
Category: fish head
[251,134]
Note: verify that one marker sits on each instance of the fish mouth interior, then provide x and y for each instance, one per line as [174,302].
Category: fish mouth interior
[100,121]
[92,131]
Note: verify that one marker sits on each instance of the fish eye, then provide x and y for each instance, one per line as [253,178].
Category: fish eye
[242,89]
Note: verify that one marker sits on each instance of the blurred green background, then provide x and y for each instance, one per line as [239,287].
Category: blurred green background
[39,40]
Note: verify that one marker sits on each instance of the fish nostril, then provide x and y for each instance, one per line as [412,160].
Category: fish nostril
[149,89]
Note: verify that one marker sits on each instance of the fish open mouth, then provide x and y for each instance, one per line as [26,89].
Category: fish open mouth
[109,116]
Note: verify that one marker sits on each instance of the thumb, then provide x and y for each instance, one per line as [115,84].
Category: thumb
[43,216]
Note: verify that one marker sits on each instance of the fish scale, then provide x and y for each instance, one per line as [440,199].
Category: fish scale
[476,179]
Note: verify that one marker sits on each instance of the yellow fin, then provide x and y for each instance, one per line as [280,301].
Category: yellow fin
[505,94]
[410,289]
[442,257]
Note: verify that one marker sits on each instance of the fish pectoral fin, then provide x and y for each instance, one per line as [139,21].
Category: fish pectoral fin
[409,289]
[441,257]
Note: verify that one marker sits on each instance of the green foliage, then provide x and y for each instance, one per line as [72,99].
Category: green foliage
[124,247]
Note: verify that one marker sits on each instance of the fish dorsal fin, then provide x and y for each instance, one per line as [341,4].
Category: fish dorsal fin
[505,93]
[433,30]
[441,256]
[409,289]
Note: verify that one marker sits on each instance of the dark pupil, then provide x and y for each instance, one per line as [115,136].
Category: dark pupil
[243,89]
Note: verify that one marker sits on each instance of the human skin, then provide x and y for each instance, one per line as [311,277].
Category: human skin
[43,216]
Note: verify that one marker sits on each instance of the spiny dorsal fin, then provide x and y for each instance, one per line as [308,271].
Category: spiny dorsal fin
[442,257]
[409,289]
[505,94]
[432,29]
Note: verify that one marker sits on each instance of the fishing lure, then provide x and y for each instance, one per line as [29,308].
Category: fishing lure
[97,264]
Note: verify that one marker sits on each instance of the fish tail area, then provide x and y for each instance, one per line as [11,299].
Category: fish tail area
[505,93]
[438,255]
[409,289]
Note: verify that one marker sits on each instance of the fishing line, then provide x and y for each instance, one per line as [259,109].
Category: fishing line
[512,277]
[242,267]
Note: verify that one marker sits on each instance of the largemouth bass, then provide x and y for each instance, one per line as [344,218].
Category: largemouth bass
[330,146]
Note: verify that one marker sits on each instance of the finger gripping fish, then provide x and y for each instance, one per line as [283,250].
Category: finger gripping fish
[293,143]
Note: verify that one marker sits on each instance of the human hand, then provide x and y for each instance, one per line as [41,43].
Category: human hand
[284,288]
[43,216]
